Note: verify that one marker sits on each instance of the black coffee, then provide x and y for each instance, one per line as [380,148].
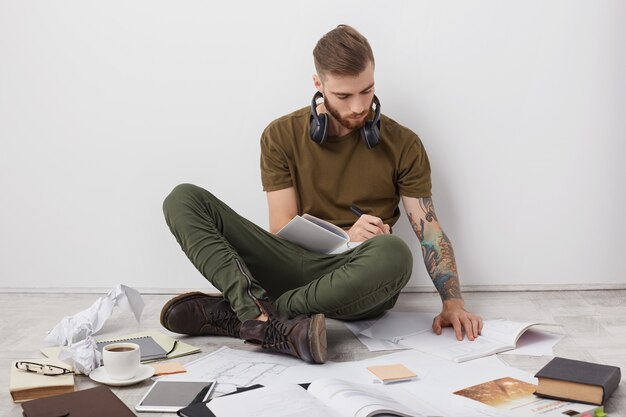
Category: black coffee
[120,349]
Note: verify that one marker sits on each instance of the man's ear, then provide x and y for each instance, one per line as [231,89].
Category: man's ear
[317,82]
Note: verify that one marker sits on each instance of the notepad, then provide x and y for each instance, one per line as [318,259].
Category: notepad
[150,350]
[392,373]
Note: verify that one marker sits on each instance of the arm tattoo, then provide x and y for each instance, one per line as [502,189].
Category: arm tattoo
[437,252]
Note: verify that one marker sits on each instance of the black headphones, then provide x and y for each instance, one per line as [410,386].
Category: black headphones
[318,127]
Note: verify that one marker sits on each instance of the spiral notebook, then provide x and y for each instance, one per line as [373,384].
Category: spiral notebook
[150,350]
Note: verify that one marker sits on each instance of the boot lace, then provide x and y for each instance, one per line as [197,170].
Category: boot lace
[276,335]
[225,322]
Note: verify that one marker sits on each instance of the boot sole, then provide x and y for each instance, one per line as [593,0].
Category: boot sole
[180,298]
[317,338]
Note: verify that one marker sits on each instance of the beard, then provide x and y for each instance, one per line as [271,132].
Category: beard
[348,122]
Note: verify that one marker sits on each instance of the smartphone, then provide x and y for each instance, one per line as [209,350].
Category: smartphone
[171,396]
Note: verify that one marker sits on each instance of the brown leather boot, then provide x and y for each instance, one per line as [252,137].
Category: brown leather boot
[303,337]
[200,314]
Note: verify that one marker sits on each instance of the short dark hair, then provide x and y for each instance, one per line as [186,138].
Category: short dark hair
[342,51]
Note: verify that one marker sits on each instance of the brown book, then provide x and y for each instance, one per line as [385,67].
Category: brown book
[25,386]
[93,402]
[578,381]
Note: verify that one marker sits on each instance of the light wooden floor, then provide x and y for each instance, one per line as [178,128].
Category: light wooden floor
[594,327]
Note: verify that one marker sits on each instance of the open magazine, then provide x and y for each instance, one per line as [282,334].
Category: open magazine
[326,397]
[497,336]
[316,235]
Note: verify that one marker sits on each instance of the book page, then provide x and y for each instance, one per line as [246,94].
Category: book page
[281,400]
[506,331]
[446,346]
[326,225]
[353,400]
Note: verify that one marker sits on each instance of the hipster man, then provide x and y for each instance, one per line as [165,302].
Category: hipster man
[321,160]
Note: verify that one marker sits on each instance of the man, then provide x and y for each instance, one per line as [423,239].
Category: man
[314,160]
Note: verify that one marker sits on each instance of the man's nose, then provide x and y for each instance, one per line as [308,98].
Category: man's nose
[358,106]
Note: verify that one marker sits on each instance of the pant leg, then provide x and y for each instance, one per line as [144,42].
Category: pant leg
[358,284]
[238,257]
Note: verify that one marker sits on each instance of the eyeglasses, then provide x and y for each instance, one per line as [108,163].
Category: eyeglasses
[42,368]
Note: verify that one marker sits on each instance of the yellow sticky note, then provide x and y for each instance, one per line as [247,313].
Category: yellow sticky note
[392,373]
[168,368]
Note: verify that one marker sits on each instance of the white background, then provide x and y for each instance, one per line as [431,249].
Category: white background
[106,106]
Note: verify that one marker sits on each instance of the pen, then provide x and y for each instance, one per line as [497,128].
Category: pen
[356,210]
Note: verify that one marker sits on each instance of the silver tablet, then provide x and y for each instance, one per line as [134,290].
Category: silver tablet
[171,396]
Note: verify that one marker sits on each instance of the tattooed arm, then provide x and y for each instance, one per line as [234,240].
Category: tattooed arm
[441,265]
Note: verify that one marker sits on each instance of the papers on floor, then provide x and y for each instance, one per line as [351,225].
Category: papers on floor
[443,388]
[234,368]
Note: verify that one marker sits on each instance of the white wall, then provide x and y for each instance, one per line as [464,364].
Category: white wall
[105,106]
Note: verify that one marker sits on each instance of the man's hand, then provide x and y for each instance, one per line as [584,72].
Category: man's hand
[454,315]
[366,228]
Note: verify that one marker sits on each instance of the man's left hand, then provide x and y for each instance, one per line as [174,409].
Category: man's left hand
[454,315]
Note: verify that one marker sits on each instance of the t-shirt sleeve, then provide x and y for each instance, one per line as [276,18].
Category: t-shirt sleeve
[414,171]
[275,174]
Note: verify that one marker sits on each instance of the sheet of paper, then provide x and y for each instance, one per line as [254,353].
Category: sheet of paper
[373,345]
[394,324]
[233,368]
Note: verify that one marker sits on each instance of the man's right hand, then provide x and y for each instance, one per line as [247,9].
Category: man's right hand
[367,227]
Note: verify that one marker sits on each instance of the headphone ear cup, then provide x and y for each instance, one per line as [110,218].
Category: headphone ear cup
[318,123]
[318,127]
[370,133]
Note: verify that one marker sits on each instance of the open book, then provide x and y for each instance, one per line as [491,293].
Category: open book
[325,397]
[316,235]
[497,336]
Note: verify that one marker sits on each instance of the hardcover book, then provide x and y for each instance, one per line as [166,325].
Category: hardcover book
[26,386]
[578,381]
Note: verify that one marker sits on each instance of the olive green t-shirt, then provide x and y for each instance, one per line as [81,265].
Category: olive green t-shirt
[329,178]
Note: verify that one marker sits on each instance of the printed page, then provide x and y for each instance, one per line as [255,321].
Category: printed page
[507,331]
[353,400]
[446,346]
[281,400]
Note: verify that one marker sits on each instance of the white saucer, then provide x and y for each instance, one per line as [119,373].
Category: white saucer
[101,376]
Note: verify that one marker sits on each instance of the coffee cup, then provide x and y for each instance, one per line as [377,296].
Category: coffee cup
[121,360]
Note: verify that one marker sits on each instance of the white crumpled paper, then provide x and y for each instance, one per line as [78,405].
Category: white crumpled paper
[74,332]
[83,356]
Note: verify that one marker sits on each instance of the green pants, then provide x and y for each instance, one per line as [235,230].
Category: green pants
[247,263]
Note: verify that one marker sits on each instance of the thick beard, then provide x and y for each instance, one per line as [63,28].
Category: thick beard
[347,123]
